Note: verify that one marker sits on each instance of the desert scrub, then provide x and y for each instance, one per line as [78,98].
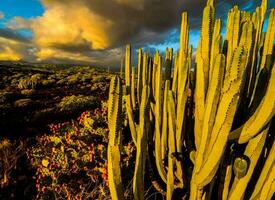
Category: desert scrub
[48,83]
[28,92]
[9,155]
[61,82]
[31,82]
[95,121]
[72,104]
[73,79]
[71,160]
[98,78]
[23,103]
[6,97]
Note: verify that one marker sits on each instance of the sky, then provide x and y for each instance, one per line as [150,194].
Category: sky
[96,31]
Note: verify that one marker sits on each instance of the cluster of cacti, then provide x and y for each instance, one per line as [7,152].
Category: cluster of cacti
[221,120]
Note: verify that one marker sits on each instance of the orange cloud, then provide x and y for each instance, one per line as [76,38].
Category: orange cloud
[7,53]
[83,30]
[70,25]
[56,54]
[18,23]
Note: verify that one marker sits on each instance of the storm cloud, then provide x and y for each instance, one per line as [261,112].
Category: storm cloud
[96,31]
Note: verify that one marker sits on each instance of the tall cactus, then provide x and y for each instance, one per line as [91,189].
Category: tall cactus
[138,182]
[229,131]
[115,127]
[139,80]
[129,105]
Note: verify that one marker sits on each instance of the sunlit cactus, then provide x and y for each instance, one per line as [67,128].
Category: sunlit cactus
[210,137]
[115,127]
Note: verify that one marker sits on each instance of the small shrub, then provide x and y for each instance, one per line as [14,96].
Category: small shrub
[73,79]
[72,104]
[49,82]
[61,82]
[71,161]
[8,159]
[23,103]
[27,92]
[98,78]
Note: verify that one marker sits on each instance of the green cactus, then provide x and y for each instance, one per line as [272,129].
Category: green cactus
[252,151]
[168,63]
[139,80]
[158,119]
[164,131]
[115,124]
[172,145]
[138,181]
[133,89]
[129,105]
[208,120]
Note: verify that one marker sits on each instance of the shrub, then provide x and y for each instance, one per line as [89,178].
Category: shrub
[98,78]
[71,161]
[61,82]
[48,82]
[72,104]
[8,159]
[73,79]
[31,82]
[23,103]
[27,92]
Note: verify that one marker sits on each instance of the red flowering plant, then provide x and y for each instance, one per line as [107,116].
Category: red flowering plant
[71,161]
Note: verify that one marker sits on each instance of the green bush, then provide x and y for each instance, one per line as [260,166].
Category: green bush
[99,78]
[49,82]
[32,82]
[73,79]
[71,161]
[27,92]
[72,104]
[61,82]
[8,159]
[23,103]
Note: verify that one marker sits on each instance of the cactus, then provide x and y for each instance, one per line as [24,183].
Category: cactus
[138,182]
[115,124]
[168,63]
[252,151]
[230,127]
[264,184]
[133,88]
[172,145]
[158,119]
[129,106]
[139,80]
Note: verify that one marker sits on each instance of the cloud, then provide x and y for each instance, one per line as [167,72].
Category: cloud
[96,31]
[8,54]
[18,23]
[12,35]
[2,15]
[14,46]
[8,50]
[75,29]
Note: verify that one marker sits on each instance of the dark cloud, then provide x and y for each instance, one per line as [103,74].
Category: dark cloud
[96,31]
[12,35]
